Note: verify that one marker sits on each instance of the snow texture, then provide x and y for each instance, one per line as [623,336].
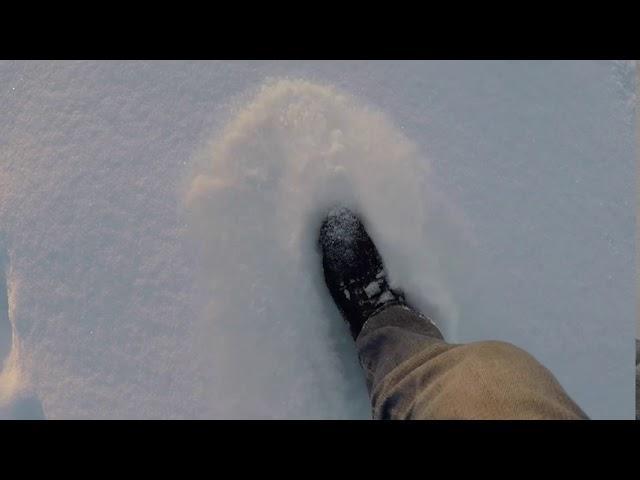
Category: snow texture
[158,227]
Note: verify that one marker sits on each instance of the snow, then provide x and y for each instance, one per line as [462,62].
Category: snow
[385,297]
[158,223]
[372,289]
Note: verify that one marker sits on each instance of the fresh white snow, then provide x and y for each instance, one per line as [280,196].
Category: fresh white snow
[158,223]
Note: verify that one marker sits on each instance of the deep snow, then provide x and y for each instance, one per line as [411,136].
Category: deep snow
[158,223]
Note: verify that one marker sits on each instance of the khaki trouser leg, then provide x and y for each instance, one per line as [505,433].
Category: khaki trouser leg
[412,373]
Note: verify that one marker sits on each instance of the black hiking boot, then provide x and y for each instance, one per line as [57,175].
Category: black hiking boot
[353,269]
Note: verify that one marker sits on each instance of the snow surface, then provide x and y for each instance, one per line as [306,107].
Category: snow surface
[158,223]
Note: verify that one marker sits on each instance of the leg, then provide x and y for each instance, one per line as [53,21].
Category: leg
[412,373]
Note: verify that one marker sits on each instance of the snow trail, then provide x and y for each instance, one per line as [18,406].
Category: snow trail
[262,189]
